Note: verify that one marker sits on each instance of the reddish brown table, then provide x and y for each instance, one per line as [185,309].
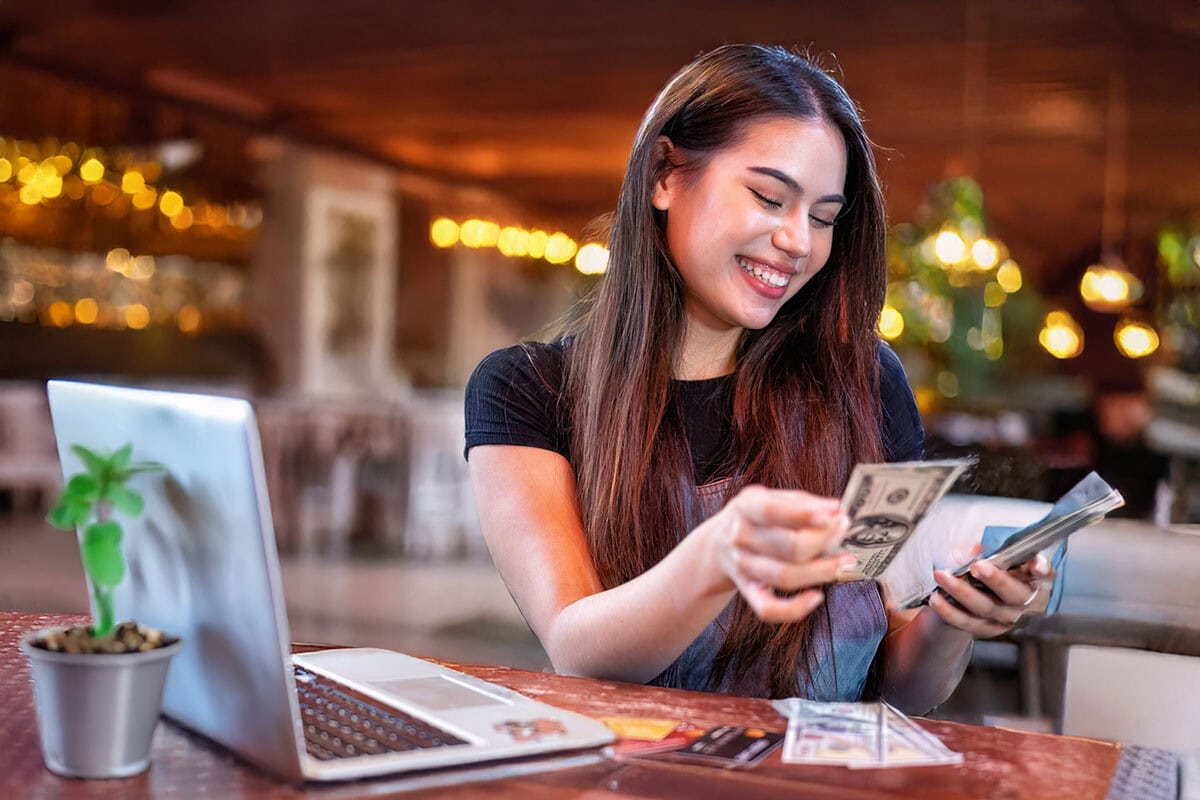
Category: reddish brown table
[997,763]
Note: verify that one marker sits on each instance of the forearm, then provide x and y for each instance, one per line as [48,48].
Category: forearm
[634,631]
[924,659]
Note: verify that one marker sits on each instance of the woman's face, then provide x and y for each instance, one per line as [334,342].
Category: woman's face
[756,223]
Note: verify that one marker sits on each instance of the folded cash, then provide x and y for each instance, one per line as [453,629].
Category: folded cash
[885,502]
[858,736]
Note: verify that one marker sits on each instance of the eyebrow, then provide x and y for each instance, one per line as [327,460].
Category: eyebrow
[791,184]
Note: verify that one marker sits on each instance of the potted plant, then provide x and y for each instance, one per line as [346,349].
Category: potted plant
[99,688]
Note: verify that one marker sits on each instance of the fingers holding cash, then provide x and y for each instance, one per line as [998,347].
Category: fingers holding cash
[1002,598]
[770,541]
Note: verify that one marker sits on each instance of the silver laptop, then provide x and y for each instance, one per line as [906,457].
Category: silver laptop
[203,564]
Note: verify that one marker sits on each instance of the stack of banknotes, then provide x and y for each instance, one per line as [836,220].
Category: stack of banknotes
[858,736]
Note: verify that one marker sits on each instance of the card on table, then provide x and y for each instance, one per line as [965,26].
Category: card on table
[731,746]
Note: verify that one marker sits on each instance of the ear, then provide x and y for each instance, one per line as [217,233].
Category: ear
[664,171]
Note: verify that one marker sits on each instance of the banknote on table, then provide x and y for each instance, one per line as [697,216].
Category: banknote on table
[858,736]
[885,502]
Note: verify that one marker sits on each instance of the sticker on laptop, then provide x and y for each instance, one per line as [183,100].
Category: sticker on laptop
[531,730]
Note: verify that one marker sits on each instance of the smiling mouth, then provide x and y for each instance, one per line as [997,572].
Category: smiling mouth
[771,277]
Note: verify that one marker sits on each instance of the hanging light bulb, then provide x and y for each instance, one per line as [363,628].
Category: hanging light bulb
[1135,339]
[1061,336]
[1109,286]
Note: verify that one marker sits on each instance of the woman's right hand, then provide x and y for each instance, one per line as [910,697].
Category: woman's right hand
[777,539]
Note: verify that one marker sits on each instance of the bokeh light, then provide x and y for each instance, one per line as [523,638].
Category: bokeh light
[443,232]
[1135,339]
[592,259]
[86,311]
[891,323]
[1061,336]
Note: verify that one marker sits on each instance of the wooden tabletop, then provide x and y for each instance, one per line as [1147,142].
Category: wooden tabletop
[997,763]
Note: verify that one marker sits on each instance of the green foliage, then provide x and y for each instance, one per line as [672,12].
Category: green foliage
[94,495]
[972,347]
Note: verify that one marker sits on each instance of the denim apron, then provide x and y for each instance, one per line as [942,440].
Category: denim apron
[847,630]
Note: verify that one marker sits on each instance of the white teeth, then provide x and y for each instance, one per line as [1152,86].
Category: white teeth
[768,276]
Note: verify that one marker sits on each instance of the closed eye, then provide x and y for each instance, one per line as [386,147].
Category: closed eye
[766,201]
[819,222]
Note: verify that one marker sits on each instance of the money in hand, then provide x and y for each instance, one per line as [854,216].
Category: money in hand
[885,502]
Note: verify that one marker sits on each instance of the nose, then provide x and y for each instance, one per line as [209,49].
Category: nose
[793,236]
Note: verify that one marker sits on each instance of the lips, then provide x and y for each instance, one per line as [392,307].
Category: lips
[769,274]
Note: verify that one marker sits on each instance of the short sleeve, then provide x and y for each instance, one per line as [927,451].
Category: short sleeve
[903,433]
[513,397]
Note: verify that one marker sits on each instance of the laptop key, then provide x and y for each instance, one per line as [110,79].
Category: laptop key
[338,725]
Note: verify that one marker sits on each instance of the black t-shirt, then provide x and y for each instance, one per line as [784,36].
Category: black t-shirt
[514,397]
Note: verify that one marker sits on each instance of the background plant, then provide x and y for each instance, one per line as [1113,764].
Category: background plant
[87,503]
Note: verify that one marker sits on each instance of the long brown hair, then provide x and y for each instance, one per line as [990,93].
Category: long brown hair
[804,395]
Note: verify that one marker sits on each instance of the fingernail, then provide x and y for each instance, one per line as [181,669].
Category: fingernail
[981,569]
[817,599]
[846,561]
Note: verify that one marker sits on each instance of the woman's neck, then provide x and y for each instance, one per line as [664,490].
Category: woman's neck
[706,352]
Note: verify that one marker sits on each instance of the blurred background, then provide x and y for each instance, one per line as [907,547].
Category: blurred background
[336,210]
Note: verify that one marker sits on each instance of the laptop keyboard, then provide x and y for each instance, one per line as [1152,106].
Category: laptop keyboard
[340,725]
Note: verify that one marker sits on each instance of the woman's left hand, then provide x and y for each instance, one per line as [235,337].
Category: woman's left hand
[1017,592]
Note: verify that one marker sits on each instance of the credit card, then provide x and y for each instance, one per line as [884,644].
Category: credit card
[732,746]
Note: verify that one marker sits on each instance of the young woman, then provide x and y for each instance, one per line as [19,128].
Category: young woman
[658,487]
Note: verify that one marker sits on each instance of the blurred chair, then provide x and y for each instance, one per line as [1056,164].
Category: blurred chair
[1132,696]
[335,472]
[28,456]
[441,521]
[1129,588]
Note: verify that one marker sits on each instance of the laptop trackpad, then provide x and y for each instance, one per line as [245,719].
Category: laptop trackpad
[436,693]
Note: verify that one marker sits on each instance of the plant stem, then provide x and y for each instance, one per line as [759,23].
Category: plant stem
[104,611]
[103,594]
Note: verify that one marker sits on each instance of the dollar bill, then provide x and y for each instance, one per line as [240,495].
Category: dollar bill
[885,502]
[858,736]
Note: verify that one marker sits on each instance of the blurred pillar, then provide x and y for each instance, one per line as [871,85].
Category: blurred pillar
[322,286]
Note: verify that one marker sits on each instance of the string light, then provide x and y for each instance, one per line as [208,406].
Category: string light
[560,248]
[91,170]
[117,289]
[444,232]
[516,242]
[171,203]
[592,259]
[48,171]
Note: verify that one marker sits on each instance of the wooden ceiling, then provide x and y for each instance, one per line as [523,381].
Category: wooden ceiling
[540,103]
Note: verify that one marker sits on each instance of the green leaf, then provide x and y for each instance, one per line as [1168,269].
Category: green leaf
[120,458]
[68,515]
[101,553]
[82,488]
[127,501]
[95,463]
[122,475]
